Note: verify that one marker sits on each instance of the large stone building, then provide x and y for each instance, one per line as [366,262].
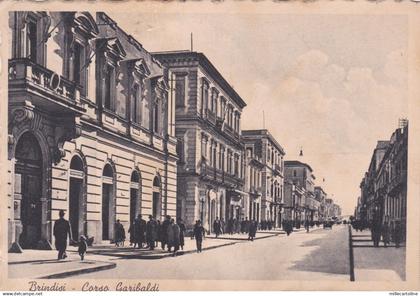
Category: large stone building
[320,196]
[91,128]
[269,154]
[384,187]
[208,128]
[301,175]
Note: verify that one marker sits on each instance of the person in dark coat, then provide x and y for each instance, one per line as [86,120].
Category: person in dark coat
[397,233]
[243,225]
[151,232]
[140,231]
[230,226]
[176,235]
[61,231]
[170,235]
[82,248]
[386,233]
[158,233]
[247,223]
[307,225]
[164,232]
[119,234]
[223,226]
[182,230]
[132,232]
[217,227]
[252,230]
[199,234]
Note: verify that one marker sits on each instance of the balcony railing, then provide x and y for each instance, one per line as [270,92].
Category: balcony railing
[27,74]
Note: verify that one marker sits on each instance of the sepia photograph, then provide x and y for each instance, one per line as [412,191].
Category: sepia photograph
[148,145]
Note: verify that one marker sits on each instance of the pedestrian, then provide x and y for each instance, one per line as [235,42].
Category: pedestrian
[170,235]
[119,234]
[158,233]
[216,227]
[230,226]
[140,232]
[61,231]
[132,232]
[247,225]
[397,233]
[252,230]
[307,225]
[386,232]
[82,249]
[376,233]
[243,225]
[151,232]
[164,231]
[222,226]
[198,234]
[182,230]
[176,239]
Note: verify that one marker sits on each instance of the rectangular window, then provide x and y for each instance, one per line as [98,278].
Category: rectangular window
[32,45]
[137,103]
[109,88]
[79,68]
[180,90]
[156,118]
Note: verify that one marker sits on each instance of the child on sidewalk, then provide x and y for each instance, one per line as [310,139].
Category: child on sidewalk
[82,247]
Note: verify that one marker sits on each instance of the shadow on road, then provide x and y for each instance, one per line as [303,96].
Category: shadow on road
[331,254]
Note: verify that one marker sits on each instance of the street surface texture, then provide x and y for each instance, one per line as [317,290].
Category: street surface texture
[376,264]
[317,255]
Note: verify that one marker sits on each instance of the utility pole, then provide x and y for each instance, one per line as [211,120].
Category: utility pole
[191,41]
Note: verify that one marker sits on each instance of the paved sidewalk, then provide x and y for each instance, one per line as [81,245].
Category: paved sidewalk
[44,264]
[377,264]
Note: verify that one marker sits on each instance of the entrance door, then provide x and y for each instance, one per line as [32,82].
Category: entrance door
[106,211]
[28,190]
[75,202]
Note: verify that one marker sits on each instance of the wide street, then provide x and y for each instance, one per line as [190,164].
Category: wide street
[318,255]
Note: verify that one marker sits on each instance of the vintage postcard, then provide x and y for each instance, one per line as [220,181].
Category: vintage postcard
[152,146]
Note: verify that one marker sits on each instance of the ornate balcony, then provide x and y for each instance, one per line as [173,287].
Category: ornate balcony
[46,89]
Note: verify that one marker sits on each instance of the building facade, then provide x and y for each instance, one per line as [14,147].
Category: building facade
[90,128]
[320,196]
[271,154]
[301,175]
[384,186]
[208,127]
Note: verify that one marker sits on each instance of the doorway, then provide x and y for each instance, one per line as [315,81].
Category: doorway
[134,196]
[76,198]
[108,203]
[28,190]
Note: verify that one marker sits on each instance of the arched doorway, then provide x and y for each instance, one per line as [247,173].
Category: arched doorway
[28,190]
[157,201]
[134,196]
[108,203]
[77,197]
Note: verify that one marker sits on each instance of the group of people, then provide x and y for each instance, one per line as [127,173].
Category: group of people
[235,226]
[148,234]
[389,231]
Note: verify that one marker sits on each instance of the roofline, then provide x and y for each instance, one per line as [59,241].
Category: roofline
[207,64]
[263,132]
[291,162]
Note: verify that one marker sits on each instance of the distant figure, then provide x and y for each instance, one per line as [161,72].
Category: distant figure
[386,232]
[61,231]
[82,247]
[198,233]
[170,235]
[307,225]
[252,230]
[132,232]
[397,234]
[182,230]
[151,232]
[217,227]
[164,231]
[119,234]
[176,239]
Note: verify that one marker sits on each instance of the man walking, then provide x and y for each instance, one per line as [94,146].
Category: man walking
[151,232]
[217,227]
[198,233]
[164,232]
[61,231]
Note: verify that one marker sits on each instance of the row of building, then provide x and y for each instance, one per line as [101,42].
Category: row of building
[105,130]
[384,185]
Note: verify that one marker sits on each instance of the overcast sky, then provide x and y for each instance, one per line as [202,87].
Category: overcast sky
[331,84]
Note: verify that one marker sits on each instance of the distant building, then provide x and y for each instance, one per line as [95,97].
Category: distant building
[267,164]
[320,196]
[301,175]
[384,186]
[208,128]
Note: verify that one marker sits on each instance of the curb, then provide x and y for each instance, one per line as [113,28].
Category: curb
[244,239]
[64,274]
